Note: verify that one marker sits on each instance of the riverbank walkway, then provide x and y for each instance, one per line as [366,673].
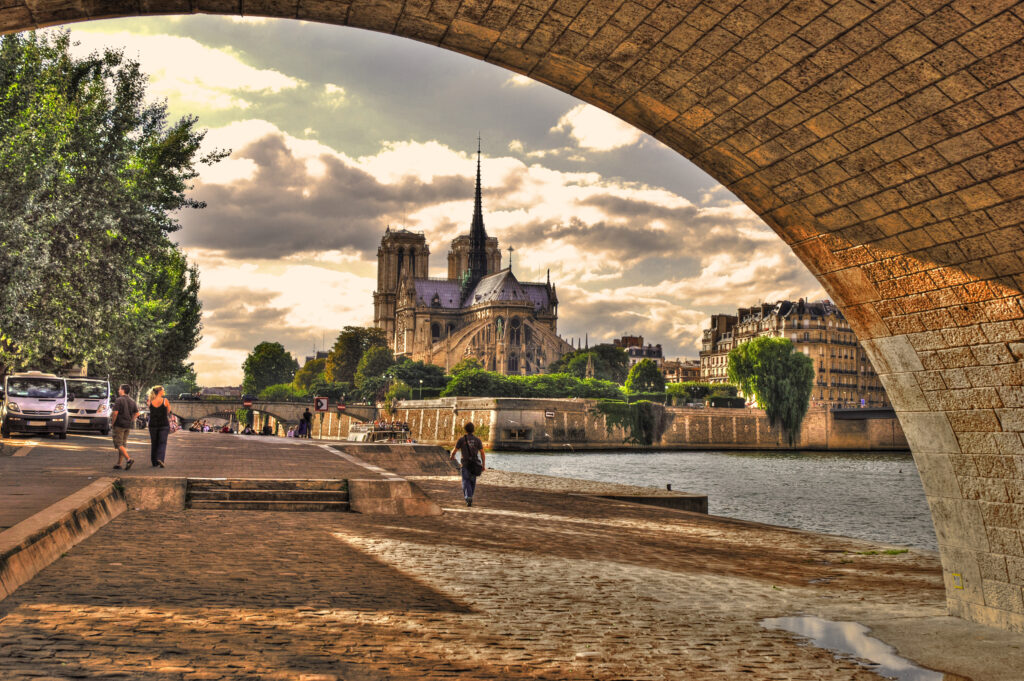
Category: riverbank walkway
[538,580]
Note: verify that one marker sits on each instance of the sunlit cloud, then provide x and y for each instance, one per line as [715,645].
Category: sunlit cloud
[596,130]
[190,73]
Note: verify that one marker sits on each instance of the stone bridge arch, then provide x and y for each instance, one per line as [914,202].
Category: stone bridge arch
[880,139]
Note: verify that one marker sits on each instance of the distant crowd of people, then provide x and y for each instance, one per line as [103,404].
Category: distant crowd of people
[392,426]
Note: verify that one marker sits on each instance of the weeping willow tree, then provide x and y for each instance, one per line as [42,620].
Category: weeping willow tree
[778,376]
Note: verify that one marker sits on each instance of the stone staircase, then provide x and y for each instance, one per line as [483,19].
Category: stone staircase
[267,495]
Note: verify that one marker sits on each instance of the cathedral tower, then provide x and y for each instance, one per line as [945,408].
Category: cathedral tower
[477,269]
[401,254]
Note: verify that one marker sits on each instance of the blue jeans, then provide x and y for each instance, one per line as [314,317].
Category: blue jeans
[468,483]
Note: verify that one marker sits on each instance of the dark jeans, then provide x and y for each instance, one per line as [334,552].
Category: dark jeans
[158,443]
[468,483]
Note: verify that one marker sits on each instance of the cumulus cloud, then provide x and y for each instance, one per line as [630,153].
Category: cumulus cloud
[519,80]
[596,130]
[191,73]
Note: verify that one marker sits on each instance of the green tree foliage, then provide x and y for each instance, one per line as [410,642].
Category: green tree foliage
[153,335]
[411,372]
[93,176]
[610,363]
[267,364]
[481,383]
[778,377]
[643,422]
[282,392]
[337,391]
[693,391]
[350,346]
[399,390]
[311,371]
[373,364]
[467,364]
[645,377]
[182,382]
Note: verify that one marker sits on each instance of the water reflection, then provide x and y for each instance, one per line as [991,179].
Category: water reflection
[850,639]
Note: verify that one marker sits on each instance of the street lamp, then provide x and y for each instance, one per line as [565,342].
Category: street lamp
[421,388]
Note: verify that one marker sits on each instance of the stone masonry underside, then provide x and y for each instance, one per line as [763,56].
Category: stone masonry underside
[882,140]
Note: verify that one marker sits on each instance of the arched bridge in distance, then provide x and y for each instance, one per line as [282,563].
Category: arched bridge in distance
[288,413]
[880,139]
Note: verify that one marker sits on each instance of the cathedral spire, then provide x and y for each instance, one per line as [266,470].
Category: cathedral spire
[477,233]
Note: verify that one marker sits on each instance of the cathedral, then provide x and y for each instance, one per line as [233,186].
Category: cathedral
[480,310]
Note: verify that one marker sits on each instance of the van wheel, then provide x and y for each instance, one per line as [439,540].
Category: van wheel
[62,436]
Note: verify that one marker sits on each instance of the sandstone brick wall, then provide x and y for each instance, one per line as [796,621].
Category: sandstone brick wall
[881,139]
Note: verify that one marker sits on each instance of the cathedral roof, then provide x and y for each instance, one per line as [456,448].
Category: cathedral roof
[504,287]
[447,291]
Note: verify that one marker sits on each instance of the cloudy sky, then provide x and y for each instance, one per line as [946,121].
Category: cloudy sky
[337,133]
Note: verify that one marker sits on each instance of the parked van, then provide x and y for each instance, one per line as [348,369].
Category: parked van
[34,402]
[89,404]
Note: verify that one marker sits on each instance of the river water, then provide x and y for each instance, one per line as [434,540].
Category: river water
[870,495]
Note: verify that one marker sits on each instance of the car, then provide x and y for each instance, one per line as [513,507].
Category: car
[34,402]
[189,397]
[89,404]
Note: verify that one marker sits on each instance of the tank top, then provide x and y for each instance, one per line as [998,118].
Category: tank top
[158,417]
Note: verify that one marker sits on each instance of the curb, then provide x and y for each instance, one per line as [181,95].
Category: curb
[39,540]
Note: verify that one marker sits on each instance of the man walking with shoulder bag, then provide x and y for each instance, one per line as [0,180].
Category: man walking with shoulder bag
[474,461]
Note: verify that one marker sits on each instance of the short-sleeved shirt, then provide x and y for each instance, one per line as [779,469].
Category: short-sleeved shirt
[470,446]
[126,409]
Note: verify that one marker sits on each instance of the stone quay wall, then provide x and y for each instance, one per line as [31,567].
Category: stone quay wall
[547,424]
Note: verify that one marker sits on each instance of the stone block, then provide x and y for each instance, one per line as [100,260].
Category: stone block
[937,475]
[929,432]
[1011,419]
[959,523]
[994,567]
[964,563]
[1003,596]
[894,354]
[1005,541]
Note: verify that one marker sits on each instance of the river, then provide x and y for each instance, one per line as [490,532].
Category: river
[870,495]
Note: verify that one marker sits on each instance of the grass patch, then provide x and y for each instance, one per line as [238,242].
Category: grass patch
[886,552]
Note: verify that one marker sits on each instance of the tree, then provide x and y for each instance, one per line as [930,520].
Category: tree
[778,377]
[399,390]
[184,382]
[281,392]
[467,364]
[478,383]
[373,364]
[645,377]
[267,364]
[311,371]
[93,179]
[350,346]
[611,363]
[154,333]
[412,372]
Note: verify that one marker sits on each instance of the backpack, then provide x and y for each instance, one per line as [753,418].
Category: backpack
[471,446]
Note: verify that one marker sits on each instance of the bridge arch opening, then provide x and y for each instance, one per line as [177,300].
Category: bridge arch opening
[881,141]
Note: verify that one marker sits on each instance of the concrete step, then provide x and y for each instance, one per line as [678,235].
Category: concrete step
[266,495]
[250,484]
[279,506]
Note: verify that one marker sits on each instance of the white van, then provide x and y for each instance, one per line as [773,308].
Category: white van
[34,402]
[89,404]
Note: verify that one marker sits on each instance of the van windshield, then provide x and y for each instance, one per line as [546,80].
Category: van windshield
[35,387]
[88,390]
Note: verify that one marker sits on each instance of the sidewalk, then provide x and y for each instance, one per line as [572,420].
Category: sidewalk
[53,469]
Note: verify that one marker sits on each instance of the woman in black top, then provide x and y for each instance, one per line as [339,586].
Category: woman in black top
[159,425]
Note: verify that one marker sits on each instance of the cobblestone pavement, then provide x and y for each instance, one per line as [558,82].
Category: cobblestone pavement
[527,584]
[53,469]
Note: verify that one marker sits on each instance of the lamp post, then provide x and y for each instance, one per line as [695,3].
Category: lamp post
[421,388]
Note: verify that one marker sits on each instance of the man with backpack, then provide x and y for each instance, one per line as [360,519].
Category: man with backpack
[473,461]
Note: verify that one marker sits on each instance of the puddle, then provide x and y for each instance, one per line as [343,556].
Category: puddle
[850,639]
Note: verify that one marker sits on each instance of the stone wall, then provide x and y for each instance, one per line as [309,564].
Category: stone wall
[542,424]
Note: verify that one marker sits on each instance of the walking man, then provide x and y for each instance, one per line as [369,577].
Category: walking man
[474,461]
[122,419]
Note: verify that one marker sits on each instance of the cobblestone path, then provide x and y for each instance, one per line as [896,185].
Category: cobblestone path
[527,584]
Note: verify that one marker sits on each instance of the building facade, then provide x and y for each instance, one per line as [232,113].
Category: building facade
[479,310]
[843,375]
[637,351]
[681,370]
